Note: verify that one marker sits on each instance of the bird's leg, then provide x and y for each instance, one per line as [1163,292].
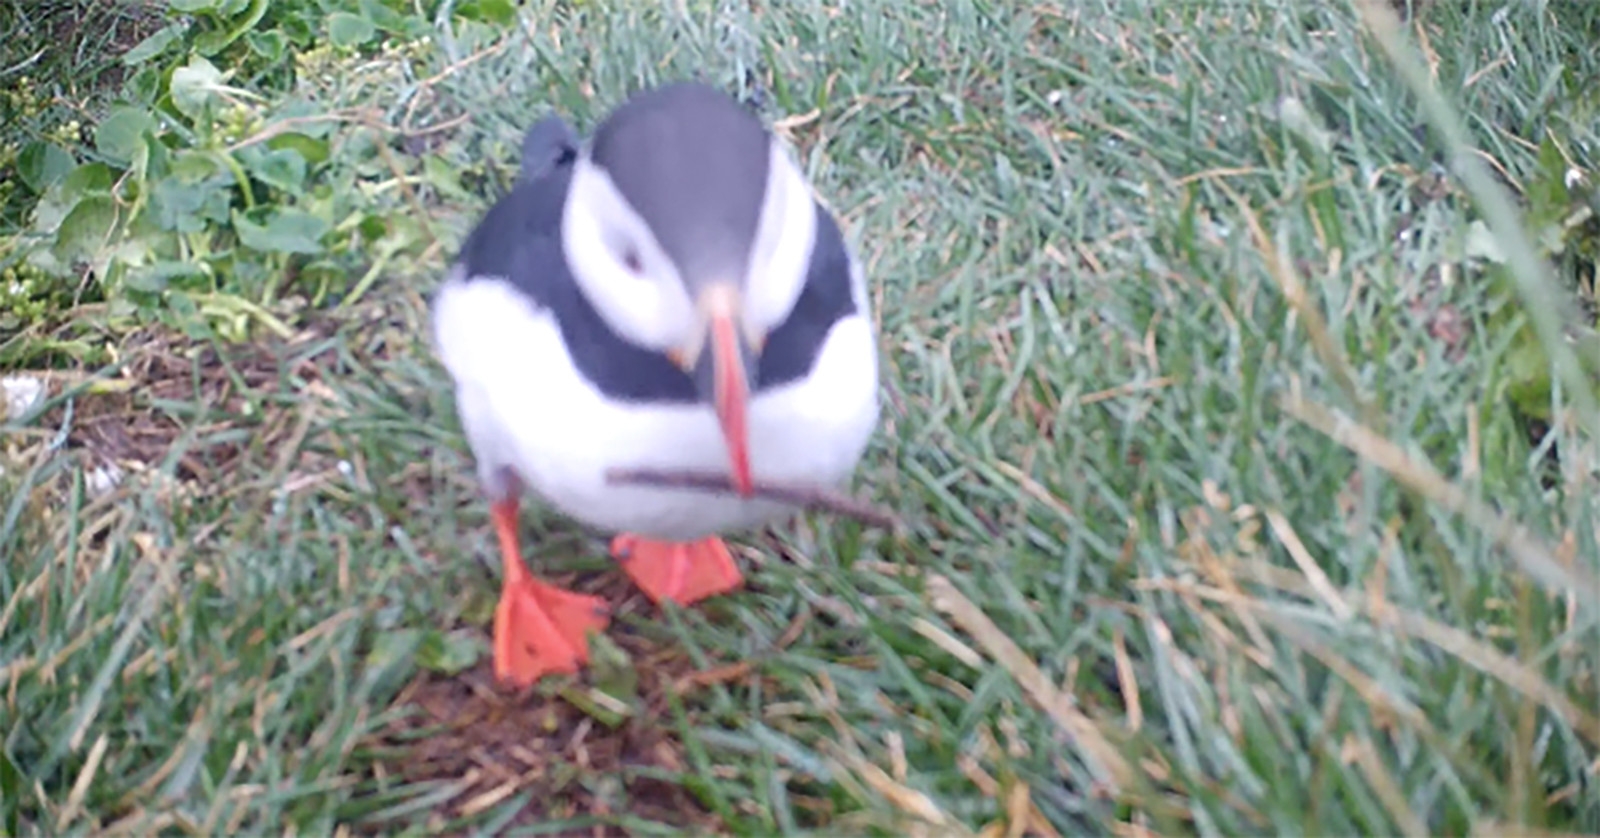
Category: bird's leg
[684,572]
[538,628]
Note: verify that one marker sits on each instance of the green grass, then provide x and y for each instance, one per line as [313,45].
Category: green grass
[1236,505]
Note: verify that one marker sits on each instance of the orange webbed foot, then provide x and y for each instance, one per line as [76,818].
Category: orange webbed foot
[539,628]
[683,572]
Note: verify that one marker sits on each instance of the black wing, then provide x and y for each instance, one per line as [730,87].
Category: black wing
[792,348]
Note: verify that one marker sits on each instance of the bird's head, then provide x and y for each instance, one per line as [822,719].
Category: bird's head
[689,227]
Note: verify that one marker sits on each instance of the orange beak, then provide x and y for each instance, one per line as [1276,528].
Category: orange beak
[731,396]
[722,376]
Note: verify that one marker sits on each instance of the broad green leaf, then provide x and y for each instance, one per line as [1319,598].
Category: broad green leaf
[192,6]
[250,272]
[120,136]
[310,149]
[184,313]
[41,164]
[270,44]
[144,85]
[348,30]
[373,226]
[386,18]
[194,86]
[86,230]
[155,277]
[196,165]
[156,154]
[88,180]
[281,169]
[497,12]
[302,25]
[211,43]
[281,231]
[189,206]
[46,262]
[120,254]
[501,12]
[155,44]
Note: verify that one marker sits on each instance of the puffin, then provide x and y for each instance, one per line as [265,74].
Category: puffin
[669,294]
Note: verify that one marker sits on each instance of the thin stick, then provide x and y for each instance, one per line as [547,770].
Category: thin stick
[805,497]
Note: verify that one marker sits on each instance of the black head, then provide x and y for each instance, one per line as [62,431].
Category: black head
[693,163]
[549,143]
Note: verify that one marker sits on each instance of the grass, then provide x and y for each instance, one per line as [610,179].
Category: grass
[1229,515]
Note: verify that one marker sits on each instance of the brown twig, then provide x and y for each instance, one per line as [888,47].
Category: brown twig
[805,497]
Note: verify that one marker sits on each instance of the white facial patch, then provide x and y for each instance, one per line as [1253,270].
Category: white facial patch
[781,256]
[620,267]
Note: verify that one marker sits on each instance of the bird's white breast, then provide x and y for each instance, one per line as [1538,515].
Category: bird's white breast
[524,406]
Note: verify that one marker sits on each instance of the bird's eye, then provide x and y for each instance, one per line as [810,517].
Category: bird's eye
[630,258]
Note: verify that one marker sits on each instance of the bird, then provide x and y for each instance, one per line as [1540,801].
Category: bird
[670,293]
